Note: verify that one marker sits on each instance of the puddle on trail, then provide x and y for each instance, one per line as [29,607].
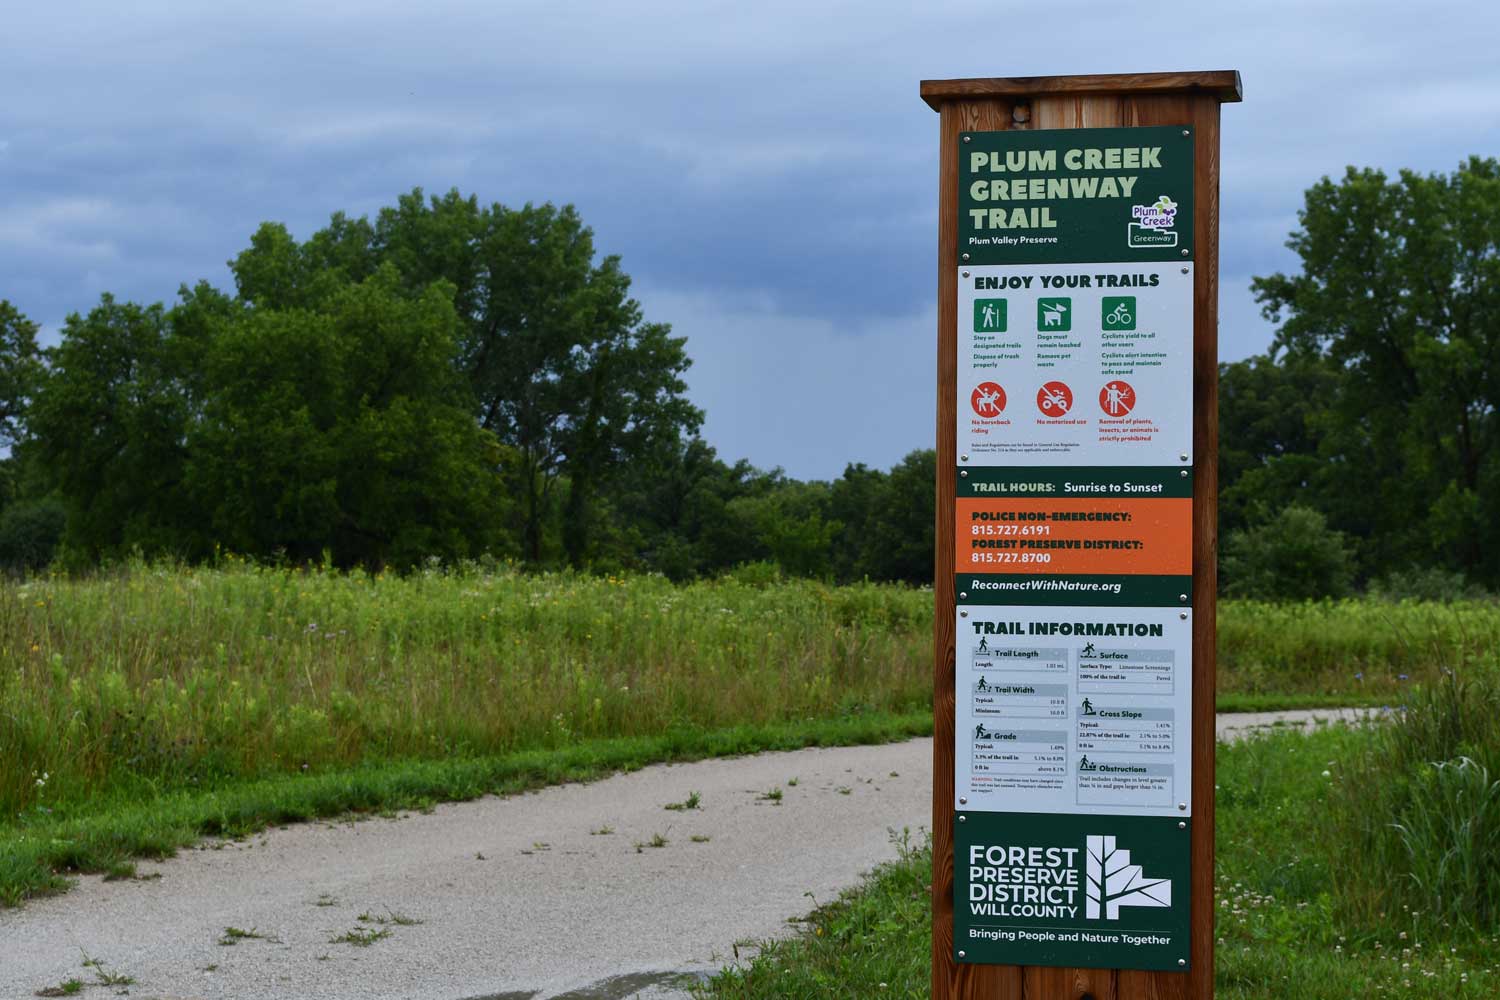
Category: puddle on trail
[613,988]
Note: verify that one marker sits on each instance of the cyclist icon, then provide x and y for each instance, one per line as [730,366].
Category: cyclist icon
[1121,316]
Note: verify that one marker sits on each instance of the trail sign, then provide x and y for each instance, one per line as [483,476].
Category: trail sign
[1073,683]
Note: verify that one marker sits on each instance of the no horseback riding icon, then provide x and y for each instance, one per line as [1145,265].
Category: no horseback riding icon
[987,399]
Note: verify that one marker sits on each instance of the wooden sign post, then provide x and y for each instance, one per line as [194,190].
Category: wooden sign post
[1077,446]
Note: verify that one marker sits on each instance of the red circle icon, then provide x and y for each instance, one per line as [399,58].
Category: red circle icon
[1117,398]
[1054,399]
[988,399]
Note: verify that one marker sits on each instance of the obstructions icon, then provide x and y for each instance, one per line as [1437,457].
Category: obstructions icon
[987,399]
[1054,399]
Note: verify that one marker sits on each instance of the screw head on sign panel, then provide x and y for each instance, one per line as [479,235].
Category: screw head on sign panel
[1182,615]
[1182,806]
[962,801]
[1184,270]
[964,596]
[1182,825]
[966,256]
[1182,456]
[1184,251]
[963,614]
[1184,473]
[963,473]
[1182,597]
[966,138]
[1182,962]
[963,458]
[966,274]
[962,953]
[963,819]
[1184,131]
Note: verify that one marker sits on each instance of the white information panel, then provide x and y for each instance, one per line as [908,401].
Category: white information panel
[1074,710]
[1075,364]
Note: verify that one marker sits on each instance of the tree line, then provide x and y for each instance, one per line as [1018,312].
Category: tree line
[1361,450]
[450,380]
[455,380]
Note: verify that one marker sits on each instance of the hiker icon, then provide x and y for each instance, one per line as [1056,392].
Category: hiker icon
[1088,650]
[983,685]
[1083,763]
[984,644]
[1088,707]
[979,732]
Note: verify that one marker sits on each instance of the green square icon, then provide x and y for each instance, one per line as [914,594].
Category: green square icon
[1054,314]
[989,315]
[1118,312]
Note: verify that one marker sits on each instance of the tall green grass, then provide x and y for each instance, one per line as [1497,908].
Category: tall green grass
[1362,651]
[157,678]
[1418,807]
[162,678]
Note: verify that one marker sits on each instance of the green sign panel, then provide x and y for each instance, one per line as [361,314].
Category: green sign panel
[1131,482]
[1082,891]
[1061,195]
[1074,590]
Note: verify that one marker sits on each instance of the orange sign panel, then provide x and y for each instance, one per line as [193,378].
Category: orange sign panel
[1149,536]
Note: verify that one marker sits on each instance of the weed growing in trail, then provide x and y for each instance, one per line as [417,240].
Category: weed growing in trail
[390,917]
[361,937]
[234,935]
[773,796]
[691,802]
[66,988]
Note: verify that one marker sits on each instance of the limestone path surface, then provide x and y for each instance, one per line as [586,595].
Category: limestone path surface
[552,894]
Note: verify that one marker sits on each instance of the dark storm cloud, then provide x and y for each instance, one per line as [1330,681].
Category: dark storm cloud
[766,170]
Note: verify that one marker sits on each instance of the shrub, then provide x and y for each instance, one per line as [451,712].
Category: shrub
[1294,556]
[29,533]
[1426,583]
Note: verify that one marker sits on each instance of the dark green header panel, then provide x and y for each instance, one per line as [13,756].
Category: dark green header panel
[1074,590]
[1088,892]
[1053,481]
[1055,196]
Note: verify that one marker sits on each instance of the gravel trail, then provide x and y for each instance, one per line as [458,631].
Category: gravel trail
[504,898]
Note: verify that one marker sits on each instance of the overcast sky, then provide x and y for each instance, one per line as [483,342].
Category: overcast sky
[766,170]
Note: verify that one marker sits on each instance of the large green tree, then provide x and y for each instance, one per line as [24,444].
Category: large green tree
[109,426]
[560,362]
[344,428]
[20,370]
[337,427]
[1399,293]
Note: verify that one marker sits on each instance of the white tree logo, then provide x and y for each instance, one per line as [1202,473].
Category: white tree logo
[1113,882]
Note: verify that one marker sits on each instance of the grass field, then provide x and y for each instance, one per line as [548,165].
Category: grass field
[189,695]
[1285,927]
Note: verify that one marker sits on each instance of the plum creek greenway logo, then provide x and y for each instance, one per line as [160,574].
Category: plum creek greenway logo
[1152,225]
